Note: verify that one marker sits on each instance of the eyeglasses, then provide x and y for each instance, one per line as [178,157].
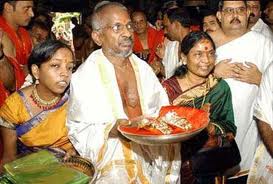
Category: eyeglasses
[232,11]
[118,28]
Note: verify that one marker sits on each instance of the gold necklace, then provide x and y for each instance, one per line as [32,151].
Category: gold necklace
[194,95]
[43,104]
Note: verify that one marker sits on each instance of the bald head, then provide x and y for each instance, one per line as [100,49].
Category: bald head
[101,13]
[140,22]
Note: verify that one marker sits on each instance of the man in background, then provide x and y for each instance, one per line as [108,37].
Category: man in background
[255,23]
[16,44]
[243,71]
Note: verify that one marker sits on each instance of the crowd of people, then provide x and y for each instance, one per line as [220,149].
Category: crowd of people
[70,99]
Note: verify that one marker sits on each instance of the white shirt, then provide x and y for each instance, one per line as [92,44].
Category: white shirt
[263,28]
[256,48]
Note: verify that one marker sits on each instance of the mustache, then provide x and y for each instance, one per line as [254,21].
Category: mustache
[235,20]
[127,40]
[252,15]
[209,30]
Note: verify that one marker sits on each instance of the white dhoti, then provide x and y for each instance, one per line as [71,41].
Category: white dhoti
[95,106]
[261,171]
[243,94]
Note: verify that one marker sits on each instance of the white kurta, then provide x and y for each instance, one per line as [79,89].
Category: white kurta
[171,58]
[263,28]
[256,48]
[263,110]
[95,106]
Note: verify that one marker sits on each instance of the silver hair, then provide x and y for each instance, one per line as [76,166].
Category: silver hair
[97,19]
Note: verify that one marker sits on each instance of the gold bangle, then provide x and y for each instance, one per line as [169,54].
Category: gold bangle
[219,127]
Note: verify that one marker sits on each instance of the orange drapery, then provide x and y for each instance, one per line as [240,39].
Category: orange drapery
[23,48]
[154,38]
[22,44]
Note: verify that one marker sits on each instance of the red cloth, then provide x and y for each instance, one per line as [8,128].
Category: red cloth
[3,93]
[22,44]
[154,38]
[23,48]
[195,28]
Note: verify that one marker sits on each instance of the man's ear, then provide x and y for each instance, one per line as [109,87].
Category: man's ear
[219,16]
[97,37]
[8,7]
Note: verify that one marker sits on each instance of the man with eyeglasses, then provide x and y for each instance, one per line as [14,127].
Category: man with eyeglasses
[111,87]
[255,23]
[246,54]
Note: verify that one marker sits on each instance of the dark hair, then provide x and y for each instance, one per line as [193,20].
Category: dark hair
[79,32]
[188,43]
[207,12]
[179,14]
[221,4]
[169,5]
[39,24]
[47,19]
[44,51]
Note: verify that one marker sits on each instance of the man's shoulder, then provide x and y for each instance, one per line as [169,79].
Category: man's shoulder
[247,40]
[139,61]
[89,65]
[257,35]
[8,47]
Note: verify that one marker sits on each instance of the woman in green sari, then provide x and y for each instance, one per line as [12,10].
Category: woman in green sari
[194,85]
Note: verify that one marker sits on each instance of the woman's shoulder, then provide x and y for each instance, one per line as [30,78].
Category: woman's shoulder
[171,83]
[14,98]
[222,86]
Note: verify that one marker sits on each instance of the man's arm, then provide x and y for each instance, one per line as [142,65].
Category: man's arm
[6,69]
[224,69]
[266,134]
[9,139]
[7,74]
[248,73]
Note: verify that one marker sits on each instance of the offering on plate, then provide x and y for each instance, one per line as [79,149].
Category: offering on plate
[174,124]
[165,123]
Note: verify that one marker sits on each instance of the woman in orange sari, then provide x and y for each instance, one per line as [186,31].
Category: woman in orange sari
[34,117]
[194,85]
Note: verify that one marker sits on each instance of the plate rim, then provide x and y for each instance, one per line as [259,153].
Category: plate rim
[162,136]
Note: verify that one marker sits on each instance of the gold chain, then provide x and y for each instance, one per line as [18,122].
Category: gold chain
[194,95]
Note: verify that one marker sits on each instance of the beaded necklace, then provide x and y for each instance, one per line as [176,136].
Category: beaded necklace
[43,104]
